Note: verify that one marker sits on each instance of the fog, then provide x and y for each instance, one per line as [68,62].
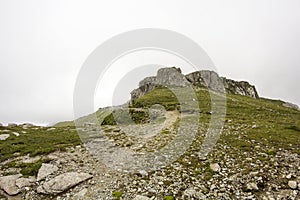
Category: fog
[45,43]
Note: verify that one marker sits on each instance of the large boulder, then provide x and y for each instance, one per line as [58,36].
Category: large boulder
[63,182]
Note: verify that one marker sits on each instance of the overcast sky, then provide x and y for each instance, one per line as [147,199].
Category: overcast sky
[43,44]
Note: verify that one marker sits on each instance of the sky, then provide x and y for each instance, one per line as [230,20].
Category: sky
[43,45]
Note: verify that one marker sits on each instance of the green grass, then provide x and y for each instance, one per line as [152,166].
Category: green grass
[126,116]
[249,123]
[267,121]
[169,198]
[27,169]
[36,142]
[161,96]
[30,169]
[117,194]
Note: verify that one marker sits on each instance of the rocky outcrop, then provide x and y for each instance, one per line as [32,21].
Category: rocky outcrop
[172,77]
[240,87]
[208,79]
[165,77]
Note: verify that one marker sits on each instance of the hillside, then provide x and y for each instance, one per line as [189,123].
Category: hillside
[255,157]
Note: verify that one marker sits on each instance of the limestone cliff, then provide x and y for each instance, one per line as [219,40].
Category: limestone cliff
[172,77]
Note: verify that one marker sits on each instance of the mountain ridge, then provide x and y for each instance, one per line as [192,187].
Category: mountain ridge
[172,76]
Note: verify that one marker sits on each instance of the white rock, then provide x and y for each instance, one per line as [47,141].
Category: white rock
[143,173]
[139,197]
[289,176]
[46,170]
[292,184]
[252,186]
[16,134]
[63,182]
[8,184]
[215,167]
[189,193]
[4,136]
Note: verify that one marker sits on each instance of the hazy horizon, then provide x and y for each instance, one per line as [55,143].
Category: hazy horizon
[44,44]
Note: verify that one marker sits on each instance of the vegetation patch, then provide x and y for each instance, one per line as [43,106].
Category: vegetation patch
[37,141]
[117,194]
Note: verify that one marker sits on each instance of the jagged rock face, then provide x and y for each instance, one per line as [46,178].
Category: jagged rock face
[240,87]
[205,78]
[147,80]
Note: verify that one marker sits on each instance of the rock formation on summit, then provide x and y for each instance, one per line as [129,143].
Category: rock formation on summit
[209,79]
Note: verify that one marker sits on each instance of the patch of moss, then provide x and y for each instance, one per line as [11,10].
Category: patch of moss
[117,194]
[169,198]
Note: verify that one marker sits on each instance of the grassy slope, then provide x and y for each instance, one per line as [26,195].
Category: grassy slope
[266,121]
[273,124]
[36,141]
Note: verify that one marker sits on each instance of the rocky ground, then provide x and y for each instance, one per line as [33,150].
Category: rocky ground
[250,171]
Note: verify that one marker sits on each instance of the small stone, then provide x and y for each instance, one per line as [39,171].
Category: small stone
[289,176]
[46,170]
[189,193]
[292,184]
[215,167]
[16,134]
[139,197]
[251,186]
[143,173]
[202,158]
